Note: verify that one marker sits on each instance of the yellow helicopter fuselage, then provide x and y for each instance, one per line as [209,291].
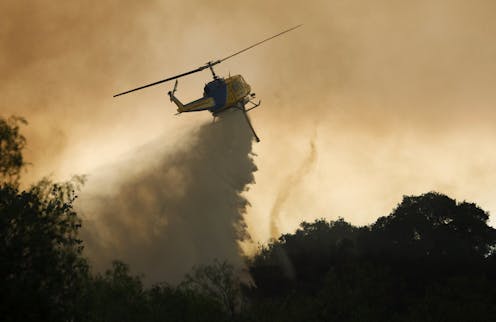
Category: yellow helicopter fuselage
[218,95]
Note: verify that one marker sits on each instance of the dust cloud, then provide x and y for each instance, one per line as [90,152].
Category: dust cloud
[183,208]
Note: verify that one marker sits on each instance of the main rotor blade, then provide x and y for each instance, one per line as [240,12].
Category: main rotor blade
[258,43]
[163,80]
[208,65]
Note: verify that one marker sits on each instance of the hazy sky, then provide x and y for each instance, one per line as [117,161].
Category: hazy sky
[399,96]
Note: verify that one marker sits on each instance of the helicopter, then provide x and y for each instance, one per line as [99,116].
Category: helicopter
[220,94]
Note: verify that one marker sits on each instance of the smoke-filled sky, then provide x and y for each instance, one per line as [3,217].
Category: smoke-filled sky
[399,95]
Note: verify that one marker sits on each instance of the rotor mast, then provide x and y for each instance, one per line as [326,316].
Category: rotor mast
[210,65]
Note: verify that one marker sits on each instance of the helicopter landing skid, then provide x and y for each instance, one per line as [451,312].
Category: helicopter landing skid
[255,105]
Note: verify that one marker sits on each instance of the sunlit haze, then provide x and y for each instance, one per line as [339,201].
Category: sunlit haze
[366,102]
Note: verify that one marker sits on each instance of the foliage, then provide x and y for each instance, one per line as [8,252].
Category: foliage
[301,260]
[41,265]
[167,303]
[431,259]
[467,297]
[40,254]
[435,226]
[11,145]
[117,295]
[114,295]
[218,282]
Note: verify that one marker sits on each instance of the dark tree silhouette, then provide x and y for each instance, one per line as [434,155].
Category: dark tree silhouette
[301,260]
[430,238]
[435,226]
[115,295]
[431,259]
[11,145]
[41,267]
[218,282]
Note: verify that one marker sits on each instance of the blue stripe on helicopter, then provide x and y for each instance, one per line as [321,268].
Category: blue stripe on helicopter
[217,89]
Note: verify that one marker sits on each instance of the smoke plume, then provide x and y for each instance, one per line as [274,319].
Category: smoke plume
[288,185]
[184,208]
